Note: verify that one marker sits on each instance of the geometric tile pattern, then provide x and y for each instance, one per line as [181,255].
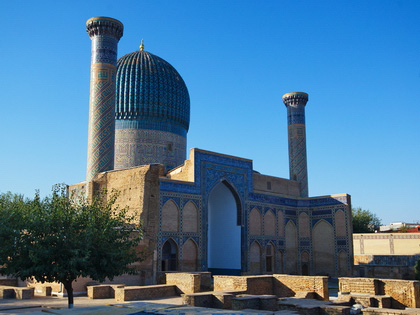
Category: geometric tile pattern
[105,34]
[211,169]
[298,168]
[150,89]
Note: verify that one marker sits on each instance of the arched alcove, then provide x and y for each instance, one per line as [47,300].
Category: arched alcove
[304,263]
[189,256]
[170,217]
[255,222]
[323,248]
[169,256]
[224,232]
[255,258]
[269,223]
[270,257]
[190,218]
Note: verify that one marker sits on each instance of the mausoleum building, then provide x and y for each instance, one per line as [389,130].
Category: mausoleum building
[212,211]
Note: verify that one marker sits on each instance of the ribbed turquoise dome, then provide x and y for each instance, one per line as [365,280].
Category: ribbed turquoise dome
[151,94]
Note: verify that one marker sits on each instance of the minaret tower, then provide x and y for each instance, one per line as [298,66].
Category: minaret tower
[298,167]
[105,34]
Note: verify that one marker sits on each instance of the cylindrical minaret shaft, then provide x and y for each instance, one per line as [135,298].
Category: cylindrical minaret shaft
[105,34]
[298,167]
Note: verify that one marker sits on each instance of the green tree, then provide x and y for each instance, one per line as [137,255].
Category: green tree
[364,221]
[59,239]
[417,270]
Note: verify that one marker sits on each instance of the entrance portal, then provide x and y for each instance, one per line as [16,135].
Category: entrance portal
[224,231]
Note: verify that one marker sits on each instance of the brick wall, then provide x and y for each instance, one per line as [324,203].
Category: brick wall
[186,282]
[405,293]
[280,285]
[358,285]
[286,285]
[229,283]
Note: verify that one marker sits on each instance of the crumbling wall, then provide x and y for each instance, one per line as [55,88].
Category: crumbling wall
[287,285]
[279,285]
[404,293]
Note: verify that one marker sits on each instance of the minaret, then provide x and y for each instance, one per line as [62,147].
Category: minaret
[298,167]
[105,34]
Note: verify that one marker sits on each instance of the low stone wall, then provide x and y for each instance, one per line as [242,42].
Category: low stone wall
[358,285]
[190,282]
[255,285]
[287,285]
[404,293]
[279,285]
[20,293]
[229,283]
[103,291]
[134,293]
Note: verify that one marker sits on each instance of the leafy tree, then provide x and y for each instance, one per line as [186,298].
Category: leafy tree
[59,239]
[417,270]
[364,221]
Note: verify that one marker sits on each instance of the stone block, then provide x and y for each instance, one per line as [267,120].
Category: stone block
[334,310]
[133,293]
[243,302]
[222,300]
[102,291]
[198,300]
[7,293]
[24,293]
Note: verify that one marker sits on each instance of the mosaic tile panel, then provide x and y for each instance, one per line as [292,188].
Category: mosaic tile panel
[105,34]
[150,89]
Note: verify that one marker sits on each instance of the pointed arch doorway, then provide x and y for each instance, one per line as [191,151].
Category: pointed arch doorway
[224,230]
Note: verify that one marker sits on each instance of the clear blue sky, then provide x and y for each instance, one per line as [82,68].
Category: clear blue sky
[359,61]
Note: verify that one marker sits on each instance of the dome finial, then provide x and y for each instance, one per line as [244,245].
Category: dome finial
[142,45]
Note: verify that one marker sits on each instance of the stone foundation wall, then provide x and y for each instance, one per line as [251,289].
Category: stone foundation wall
[186,282]
[145,292]
[404,293]
[358,285]
[280,285]
[229,283]
[286,285]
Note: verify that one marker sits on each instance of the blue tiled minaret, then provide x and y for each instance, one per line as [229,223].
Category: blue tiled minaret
[105,34]
[298,167]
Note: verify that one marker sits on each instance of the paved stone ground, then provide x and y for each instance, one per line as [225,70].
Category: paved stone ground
[84,305]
